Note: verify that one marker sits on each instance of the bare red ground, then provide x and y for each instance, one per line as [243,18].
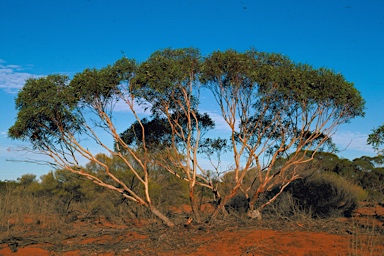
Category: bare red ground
[109,239]
[245,242]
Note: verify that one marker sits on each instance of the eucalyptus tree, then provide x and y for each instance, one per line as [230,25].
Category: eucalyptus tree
[60,117]
[168,82]
[274,108]
[376,139]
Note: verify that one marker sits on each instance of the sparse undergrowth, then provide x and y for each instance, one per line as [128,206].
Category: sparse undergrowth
[73,218]
[90,235]
[87,232]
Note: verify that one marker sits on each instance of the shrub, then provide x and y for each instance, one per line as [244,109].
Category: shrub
[238,203]
[326,195]
[320,195]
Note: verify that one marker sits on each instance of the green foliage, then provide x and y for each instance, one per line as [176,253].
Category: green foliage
[322,195]
[101,85]
[274,102]
[45,109]
[48,107]
[230,68]
[167,69]
[228,180]
[29,184]
[49,183]
[265,73]
[167,81]
[7,185]
[168,191]
[157,132]
[279,105]
[376,138]
[27,180]
[326,195]
[365,172]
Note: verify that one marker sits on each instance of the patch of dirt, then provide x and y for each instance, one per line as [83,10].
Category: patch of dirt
[370,209]
[360,235]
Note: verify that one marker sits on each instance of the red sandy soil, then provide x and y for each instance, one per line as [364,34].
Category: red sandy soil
[306,237]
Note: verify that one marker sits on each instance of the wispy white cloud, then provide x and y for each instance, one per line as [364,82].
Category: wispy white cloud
[12,77]
[352,141]
[220,123]
[122,106]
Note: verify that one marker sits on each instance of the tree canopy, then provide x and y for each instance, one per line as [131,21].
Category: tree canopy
[273,108]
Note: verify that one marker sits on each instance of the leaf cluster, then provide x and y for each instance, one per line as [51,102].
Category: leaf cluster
[158,134]
[275,78]
[46,108]
[167,69]
[100,85]
[376,138]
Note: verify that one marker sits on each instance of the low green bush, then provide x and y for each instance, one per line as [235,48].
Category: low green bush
[326,195]
[320,195]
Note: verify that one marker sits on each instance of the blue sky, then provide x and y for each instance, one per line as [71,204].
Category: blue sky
[44,37]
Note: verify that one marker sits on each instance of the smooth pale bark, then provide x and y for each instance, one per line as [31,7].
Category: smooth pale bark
[195,209]
[161,216]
